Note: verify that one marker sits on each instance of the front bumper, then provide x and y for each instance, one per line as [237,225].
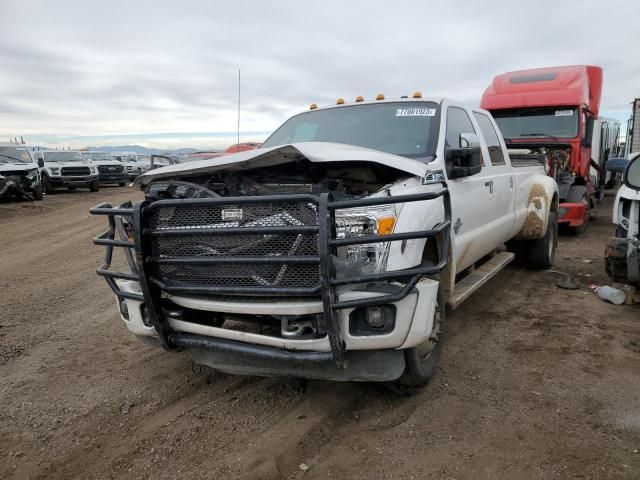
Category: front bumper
[66,181]
[572,214]
[622,259]
[106,178]
[413,296]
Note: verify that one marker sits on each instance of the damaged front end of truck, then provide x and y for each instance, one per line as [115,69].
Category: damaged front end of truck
[309,260]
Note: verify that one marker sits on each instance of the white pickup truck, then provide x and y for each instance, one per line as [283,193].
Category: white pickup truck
[331,251]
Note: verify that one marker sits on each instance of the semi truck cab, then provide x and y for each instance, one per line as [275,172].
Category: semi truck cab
[552,111]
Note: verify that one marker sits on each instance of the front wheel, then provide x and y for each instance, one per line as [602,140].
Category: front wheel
[38,193]
[422,360]
[122,184]
[94,186]
[46,185]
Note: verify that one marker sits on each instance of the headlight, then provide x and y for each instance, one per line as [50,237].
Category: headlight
[93,170]
[32,174]
[53,170]
[367,258]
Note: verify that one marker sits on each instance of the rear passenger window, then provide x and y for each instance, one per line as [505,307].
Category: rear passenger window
[457,122]
[491,137]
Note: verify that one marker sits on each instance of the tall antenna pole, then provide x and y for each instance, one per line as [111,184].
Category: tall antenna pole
[238,143]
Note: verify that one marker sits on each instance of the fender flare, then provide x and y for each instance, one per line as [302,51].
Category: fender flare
[542,199]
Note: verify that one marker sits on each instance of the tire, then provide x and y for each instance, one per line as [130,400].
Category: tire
[38,193]
[540,253]
[94,186]
[422,360]
[122,184]
[579,194]
[71,189]
[46,185]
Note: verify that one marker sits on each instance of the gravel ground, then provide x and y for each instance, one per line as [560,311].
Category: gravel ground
[534,382]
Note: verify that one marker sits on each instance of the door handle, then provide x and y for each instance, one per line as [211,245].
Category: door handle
[490,185]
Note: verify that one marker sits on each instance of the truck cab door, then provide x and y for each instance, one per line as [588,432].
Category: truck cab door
[501,180]
[470,199]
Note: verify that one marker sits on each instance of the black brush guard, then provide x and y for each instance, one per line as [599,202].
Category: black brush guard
[151,286]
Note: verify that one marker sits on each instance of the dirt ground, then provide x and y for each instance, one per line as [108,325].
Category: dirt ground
[535,381]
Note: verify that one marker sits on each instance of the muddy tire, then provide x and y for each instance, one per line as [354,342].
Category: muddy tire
[94,186]
[46,185]
[579,194]
[38,194]
[540,253]
[122,184]
[422,360]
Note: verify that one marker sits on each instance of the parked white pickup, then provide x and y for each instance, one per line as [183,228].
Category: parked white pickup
[331,251]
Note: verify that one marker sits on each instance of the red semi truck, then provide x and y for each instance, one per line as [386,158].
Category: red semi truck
[552,111]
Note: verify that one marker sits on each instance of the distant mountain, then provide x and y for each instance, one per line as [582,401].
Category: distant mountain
[148,151]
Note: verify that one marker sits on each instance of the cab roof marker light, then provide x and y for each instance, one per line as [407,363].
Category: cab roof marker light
[417,95]
[359,98]
[340,101]
[380,96]
[313,106]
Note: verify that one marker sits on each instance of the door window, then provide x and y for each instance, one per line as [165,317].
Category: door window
[457,122]
[491,137]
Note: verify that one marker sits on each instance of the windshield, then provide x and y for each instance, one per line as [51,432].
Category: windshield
[97,156]
[63,156]
[10,154]
[124,157]
[538,122]
[408,129]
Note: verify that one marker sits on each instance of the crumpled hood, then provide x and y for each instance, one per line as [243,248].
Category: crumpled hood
[17,167]
[265,157]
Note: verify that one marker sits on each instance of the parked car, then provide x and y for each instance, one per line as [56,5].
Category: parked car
[130,162]
[158,161]
[622,253]
[110,170]
[331,251]
[66,168]
[19,175]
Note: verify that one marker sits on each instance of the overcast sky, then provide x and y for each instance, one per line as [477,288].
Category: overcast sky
[164,74]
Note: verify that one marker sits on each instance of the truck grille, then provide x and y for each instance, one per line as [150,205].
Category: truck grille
[196,232]
[75,171]
[110,169]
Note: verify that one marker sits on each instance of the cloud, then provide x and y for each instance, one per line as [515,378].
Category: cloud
[78,69]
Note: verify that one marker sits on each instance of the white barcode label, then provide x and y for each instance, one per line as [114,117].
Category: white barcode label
[416,112]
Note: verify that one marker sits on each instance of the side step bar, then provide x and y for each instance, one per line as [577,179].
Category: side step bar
[469,284]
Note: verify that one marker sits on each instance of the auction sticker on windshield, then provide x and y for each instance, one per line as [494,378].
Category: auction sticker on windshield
[564,113]
[416,112]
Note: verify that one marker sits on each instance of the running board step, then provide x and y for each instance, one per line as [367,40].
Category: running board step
[479,277]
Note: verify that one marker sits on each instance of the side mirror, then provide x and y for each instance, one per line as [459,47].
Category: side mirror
[469,140]
[588,132]
[631,176]
[40,162]
[616,165]
[463,162]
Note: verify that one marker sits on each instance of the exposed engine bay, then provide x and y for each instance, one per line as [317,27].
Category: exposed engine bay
[343,180]
[558,159]
[18,184]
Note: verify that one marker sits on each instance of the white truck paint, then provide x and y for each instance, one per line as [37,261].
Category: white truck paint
[492,202]
[622,254]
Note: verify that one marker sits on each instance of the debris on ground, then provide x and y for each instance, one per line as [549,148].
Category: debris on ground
[126,406]
[610,294]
